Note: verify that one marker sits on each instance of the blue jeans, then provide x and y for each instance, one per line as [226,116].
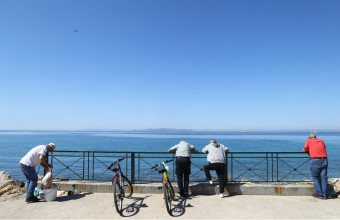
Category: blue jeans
[32,179]
[318,170]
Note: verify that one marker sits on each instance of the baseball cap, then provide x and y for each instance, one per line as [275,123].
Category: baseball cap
[52,145]
[311,135]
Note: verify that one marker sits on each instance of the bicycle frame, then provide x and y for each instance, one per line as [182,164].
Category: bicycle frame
[118,176]
[165,174]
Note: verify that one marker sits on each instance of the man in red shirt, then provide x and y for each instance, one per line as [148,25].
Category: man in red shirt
[316,149]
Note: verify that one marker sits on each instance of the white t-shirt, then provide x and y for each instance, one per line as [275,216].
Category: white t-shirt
[32,157]
[216,153]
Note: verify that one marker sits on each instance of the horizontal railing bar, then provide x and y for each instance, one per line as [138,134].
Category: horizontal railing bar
[138,152]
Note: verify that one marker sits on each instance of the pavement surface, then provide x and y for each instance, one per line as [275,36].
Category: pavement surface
[152,206]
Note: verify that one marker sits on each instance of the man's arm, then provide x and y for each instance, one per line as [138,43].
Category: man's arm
[44,162]
[305,150]
[173,149]
[193,149]
[205,150]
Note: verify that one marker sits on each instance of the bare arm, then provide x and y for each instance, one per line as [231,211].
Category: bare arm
[305,150]
[44,162]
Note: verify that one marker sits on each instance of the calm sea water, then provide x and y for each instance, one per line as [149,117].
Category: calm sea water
[15,144]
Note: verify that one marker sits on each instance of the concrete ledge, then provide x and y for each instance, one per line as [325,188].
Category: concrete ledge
[277,190]
[197,188]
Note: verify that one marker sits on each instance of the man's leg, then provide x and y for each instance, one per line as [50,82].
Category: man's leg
[179,173]
[220,175]
[207,169]
[22,167]
[187,171]
[323,178]
[32,179]
[315,169]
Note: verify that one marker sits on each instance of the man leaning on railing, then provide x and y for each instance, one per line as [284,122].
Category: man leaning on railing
[217,159]
[316,149]
[183,153]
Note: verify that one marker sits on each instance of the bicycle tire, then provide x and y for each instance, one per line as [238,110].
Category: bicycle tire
[167,196]
[172,192]
[117,196]
[127,186]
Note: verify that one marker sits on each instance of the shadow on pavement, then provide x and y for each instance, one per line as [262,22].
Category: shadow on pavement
[179,207]
[72,197]
[133,208]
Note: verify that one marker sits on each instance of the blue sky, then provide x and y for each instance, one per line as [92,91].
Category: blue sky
[206,65]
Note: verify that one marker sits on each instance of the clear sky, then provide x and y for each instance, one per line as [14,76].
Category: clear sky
[135,64]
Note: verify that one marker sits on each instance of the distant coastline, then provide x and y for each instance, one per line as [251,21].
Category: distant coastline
[172,130]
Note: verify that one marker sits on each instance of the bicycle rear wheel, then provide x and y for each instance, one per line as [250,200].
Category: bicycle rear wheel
[117,195]
[128,189]
[167,195]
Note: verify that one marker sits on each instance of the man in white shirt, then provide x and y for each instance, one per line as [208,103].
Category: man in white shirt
[217,161]
[183,153]
[28,163]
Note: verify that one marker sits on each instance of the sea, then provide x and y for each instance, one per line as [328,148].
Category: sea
[15,144]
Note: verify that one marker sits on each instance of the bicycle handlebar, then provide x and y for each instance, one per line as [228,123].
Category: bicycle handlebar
[156,165]
[112,164]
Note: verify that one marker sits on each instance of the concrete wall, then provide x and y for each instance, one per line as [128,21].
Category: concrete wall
[198,188]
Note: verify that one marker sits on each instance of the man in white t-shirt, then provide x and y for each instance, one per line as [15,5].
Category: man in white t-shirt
[217,161]
[35,157]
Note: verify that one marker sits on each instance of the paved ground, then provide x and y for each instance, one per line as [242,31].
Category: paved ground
[143,206]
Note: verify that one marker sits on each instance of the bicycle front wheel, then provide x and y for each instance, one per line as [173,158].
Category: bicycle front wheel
[128,189]
[167,195]
[117,195]
[172,192]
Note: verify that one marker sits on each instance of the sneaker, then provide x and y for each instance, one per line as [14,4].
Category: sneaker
[221,195]
[317,196]
[32,199]
[324,197]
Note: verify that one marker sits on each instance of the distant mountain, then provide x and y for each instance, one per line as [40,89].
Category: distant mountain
[164,130]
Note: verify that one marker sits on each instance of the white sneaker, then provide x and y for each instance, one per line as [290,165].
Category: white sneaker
[210,181]
[221,195]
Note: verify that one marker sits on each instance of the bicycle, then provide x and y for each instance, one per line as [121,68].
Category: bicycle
[168,190]
[119,182]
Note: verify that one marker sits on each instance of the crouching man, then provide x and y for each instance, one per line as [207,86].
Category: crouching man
[28,163]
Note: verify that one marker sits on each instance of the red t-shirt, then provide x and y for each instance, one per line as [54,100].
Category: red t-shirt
[316,148]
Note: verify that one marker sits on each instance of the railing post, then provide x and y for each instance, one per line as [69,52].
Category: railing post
[272,155]
[277,167]
[138,167]
[173,166]
[88,165]
[231,165]
[46,158]
[267,167]
[226,168]
[132,167]
[93,165]
[83,165]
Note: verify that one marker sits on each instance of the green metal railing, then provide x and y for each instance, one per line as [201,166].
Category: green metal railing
[240,166]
